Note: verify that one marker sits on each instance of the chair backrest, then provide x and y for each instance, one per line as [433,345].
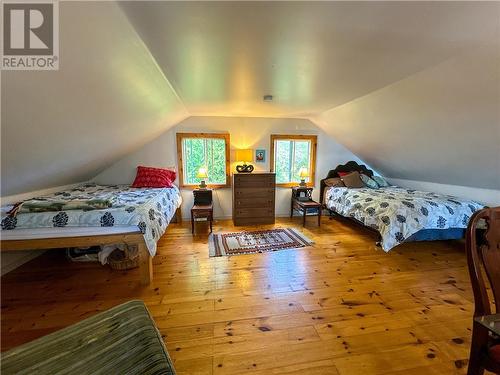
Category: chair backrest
[484,254]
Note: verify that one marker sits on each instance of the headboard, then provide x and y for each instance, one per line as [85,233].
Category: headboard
[350,166]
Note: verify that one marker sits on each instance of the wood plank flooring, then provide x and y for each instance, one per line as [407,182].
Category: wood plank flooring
[340,307]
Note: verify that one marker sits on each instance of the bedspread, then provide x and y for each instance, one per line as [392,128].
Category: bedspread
[397,213]
[150,209]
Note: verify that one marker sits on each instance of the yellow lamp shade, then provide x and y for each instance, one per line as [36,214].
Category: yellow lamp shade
[202,173]
[303,172]
[244,155]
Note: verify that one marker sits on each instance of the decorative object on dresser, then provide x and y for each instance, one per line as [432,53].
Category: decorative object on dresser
[253,198]
[302,201]
[244,156]
[249,242]
[202,207]
[203,175]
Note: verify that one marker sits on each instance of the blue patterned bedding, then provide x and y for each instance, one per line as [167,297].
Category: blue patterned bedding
[150,209]
[398,213]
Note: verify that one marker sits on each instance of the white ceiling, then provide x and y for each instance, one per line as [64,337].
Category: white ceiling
[222,57]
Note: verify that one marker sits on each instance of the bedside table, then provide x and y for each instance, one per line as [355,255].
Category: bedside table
[202,207]
[302,201]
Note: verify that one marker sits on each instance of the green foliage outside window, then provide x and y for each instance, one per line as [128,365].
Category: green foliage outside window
[204,152]
[290,156]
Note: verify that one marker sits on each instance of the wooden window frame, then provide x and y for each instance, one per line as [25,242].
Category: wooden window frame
[180,164]
[295,137]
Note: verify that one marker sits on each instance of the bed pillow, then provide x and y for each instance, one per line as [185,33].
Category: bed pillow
[368,181]
[153,177]
[334,182]
[380,181]
[352,180]
[342,174]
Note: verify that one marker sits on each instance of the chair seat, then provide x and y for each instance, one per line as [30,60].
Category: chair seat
[202,207]
[122,340]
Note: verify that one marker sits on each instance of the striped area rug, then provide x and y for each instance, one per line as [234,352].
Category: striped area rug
[249,242]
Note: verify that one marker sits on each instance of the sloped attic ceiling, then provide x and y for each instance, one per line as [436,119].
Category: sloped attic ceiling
[411,87]
[108,98]
[439,125]
[221,57]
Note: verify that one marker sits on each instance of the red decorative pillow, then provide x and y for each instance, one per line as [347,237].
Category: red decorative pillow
[153,177]
[342,174]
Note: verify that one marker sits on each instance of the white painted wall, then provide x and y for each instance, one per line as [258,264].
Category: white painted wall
[108,98]
[245,133]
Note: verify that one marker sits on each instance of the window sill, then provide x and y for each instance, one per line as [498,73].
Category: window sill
[213,187]
[293,184]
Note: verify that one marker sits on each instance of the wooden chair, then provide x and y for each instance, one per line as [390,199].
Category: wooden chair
[483,258]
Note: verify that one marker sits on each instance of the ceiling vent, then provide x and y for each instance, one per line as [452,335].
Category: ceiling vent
[268,98]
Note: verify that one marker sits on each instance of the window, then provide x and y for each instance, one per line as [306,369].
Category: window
[290,153]
[210,151]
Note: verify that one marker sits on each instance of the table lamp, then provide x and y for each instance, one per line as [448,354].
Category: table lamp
[303,174]
[202,174]
[244,156]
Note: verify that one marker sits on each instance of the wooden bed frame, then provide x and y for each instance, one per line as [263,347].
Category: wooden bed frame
[350,166]
[131,238]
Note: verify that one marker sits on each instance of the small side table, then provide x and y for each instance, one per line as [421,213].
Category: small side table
[202,207]
[303,202]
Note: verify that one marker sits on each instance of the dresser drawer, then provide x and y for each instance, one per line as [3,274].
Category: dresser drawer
[267,193]
[254,212]
[261,202]
[249,181]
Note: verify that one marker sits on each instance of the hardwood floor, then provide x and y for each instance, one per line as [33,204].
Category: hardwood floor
[341,307]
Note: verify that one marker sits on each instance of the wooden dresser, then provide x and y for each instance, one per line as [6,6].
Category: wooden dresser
[253,198]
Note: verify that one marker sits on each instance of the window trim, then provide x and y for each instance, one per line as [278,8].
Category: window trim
[295,137]
[180,165]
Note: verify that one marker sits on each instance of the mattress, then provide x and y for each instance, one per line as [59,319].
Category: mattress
[398,214]
[149,210]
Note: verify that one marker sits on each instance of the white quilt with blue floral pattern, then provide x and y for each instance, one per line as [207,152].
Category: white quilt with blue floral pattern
[398,213]
[150,209]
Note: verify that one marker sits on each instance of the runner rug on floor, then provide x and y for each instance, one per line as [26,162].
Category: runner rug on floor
[237,243]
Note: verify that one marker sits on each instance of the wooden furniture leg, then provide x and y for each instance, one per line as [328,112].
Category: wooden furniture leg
[192,223]
[211,220]
[178,216]
[479,336]
[319,217]
[145,264]
[304,217]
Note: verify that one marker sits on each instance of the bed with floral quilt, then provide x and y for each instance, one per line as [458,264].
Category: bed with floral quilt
[104,207]
[397,214]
